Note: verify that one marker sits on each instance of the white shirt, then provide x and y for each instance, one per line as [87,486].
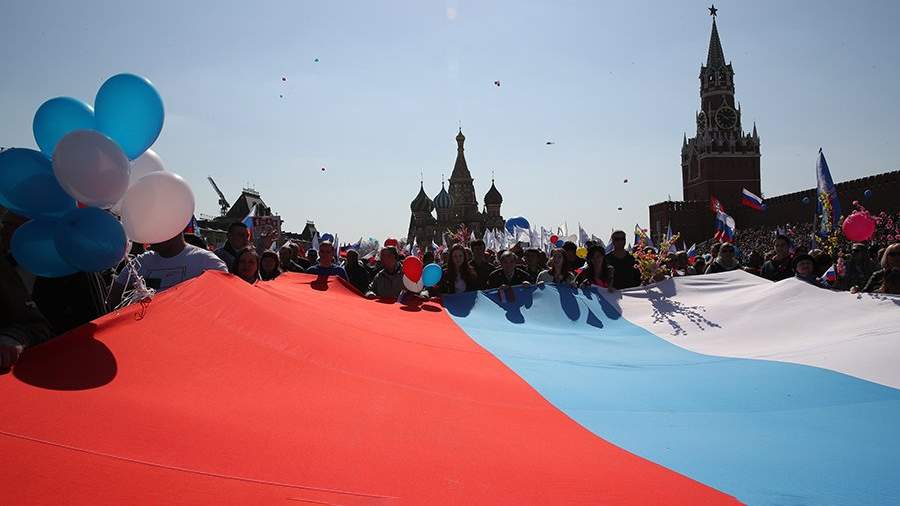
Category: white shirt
[160,273]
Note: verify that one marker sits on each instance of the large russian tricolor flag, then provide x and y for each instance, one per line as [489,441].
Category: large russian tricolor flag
[700,390]
[752,200]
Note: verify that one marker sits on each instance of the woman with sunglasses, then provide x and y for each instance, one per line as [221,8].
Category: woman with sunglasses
[725,262]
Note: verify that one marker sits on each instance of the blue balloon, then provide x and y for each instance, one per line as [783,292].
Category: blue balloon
[431,274]
[57,117]
[28,186]
[516,221]
[867,194]
[90,239]
[559,243]
[129,111]
[33,247]
[327,237]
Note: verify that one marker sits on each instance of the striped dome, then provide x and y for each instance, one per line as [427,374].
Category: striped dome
[443,200]
[421,202]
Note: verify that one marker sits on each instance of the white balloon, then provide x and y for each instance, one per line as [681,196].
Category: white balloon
[91,168]
[145,164]
[416,287]
[157,208]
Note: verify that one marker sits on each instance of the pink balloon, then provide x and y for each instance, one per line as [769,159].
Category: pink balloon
[859,227]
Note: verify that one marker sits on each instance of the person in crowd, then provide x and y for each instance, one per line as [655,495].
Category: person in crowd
[21,322]
[754,263]
[679,265]
[445,257]
[286,259]
[534,263]
[891,283]
[726,260]
[298,257]
[459,276]
[66,302]
[388,283]
[269,265]
[508,274]
[165,265]
[572,259]
[481,263]
[626,274]
[779,266]
[700,264]
[312,256]
[237,239]
[196,240]
[714,251]
[246,265]
[858,269]
[596,272]
[805,268]
[557,269]
[822,260]
[428,257]
[890,261]
[326,265]
[359,276]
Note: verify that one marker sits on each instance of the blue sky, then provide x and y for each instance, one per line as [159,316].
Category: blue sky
[614,84]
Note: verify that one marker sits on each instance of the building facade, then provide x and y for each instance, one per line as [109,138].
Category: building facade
[454,207]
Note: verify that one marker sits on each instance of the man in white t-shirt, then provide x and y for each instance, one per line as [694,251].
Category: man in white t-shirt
[167,264]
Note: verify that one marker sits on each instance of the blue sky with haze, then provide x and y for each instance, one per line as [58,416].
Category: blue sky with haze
[614,84]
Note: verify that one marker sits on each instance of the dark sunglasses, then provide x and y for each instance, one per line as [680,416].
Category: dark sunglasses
[619,239]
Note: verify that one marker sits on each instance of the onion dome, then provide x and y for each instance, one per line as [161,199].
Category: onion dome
[421,202]
[493,197]
[443,200]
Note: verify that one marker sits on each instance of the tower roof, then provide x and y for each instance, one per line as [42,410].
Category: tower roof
[460,168]
[443,200]
[493,197]
[421,202]
[715,57]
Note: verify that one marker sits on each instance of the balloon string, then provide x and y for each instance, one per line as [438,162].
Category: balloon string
[139,292]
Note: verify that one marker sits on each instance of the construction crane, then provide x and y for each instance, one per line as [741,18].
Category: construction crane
[223,202]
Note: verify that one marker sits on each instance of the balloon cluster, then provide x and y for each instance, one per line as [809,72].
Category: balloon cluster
[94,164]
[416,276]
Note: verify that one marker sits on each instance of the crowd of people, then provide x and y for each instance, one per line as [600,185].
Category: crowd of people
[34,309]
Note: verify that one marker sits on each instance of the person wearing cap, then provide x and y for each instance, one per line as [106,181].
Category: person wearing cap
[805,268]
[858,269]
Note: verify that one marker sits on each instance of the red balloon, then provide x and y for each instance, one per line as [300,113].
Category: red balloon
[859,227]
[390,241]
[553,239]
[412,268]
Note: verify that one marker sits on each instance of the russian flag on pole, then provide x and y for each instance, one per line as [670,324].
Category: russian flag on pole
[830,276]
[752,200]
[699,390]
[725,227]
[692,254]
[248,221]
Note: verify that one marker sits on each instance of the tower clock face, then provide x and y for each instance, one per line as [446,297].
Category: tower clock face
[701,122]
[726,118]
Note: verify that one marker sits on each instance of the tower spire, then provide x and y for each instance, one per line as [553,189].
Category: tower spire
[715,57]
